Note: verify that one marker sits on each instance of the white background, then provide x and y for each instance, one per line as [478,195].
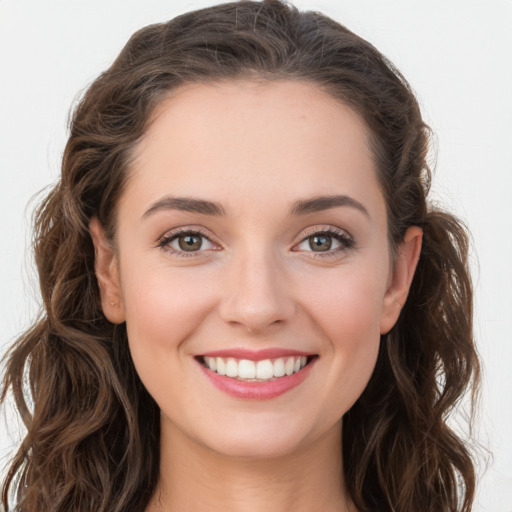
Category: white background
[457,54]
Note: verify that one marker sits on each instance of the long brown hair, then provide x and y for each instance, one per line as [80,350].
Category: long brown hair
[92,441]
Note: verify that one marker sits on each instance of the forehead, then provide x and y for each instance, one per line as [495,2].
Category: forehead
[244,138]
[269,104]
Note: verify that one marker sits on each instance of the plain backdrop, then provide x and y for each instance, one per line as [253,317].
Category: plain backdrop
[457,55]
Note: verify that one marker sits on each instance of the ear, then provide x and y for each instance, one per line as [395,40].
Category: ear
[107,273]
[401,278]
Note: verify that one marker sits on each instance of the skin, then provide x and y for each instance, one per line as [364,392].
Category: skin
[255,148]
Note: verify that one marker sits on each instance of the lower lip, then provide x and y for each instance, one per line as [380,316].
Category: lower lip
[258,390]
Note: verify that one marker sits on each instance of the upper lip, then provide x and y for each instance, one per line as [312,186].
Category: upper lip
[256,355]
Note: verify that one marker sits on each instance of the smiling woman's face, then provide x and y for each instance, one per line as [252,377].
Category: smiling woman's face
[252,239]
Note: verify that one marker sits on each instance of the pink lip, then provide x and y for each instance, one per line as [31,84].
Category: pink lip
[256,355]
[257,390]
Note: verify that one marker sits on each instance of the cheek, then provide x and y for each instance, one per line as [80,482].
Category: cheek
[163,307]
[352,323]
[348,305]
[347,309]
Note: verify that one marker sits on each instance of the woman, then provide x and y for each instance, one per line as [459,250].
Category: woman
[249,302]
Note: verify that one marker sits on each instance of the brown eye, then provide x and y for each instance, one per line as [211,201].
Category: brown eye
[326,242]
[190,242]
[320,243]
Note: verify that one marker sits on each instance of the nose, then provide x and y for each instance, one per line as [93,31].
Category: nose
[257,295]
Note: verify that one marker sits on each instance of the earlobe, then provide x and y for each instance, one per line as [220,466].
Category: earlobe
[403,272]
[107,274]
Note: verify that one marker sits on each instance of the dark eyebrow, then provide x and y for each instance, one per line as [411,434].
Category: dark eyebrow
[320,203]
[186,204]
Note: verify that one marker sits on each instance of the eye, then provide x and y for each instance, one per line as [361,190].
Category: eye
[320,243]
[186,241]
[189,242]
[327,241]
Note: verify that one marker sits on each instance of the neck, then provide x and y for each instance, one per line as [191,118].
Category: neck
[193,477]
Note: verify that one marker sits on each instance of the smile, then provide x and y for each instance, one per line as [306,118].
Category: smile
[255,371]
[260,375]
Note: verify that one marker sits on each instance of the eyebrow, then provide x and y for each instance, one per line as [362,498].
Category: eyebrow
[301,207]
[186,204]
[320,203]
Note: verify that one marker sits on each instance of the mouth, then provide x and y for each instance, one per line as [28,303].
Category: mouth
[256,375]
[250,370]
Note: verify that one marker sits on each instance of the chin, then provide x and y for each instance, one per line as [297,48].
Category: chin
[261,438]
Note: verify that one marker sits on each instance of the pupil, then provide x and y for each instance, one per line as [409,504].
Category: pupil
[190,242]
[320,242]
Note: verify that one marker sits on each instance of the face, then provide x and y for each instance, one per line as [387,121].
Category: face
[252,265]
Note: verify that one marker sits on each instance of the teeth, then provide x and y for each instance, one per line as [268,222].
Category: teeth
[246,369]
[232,368]
[212,363]
[288,367]
[266,369]
[279,370]
[221,365]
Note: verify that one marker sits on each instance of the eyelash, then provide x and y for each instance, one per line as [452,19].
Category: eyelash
[165,241]
[345,240]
